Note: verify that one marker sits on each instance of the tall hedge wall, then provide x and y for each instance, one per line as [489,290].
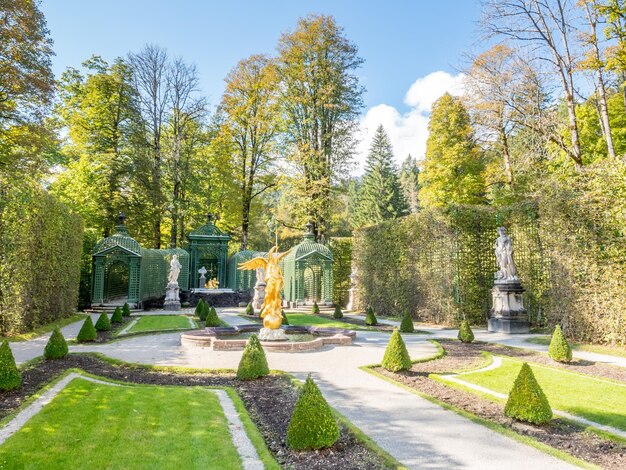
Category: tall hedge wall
[342,267]
[40,257]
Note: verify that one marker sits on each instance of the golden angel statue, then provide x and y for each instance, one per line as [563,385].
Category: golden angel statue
[273,304]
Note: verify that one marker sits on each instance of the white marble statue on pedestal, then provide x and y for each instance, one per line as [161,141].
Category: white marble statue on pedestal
[172,291]
[504,257]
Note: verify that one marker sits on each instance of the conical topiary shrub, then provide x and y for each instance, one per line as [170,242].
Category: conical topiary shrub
[10,376]
[466,335]
[249,309]
[315,310]
[212,319]
[406,326]
[57,346]
[285,319]
[337,313]
[204,311]
[199,308]
[117,315]
[559,349]
[370,318]
[527,402]
[103,323]
[396,356]
[87,331]
[126,310]
[253,363]
[312,424]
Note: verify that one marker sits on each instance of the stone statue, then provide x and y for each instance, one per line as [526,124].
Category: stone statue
[504,257]
[202,271]
[273,303]
[172,291]
[175,267]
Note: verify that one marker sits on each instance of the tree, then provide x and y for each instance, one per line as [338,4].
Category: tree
[251,125]
[322,99]
[409,181]
[380,196]
[453,167]
[614,11]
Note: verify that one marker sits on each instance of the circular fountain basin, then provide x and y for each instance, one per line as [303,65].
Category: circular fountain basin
[236,337]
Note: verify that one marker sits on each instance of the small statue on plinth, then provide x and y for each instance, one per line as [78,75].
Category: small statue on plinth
[172,291]
[202,271]
[352,276]
[508,314]
[259,290]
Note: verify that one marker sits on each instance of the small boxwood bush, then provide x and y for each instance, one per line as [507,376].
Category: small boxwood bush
[312,424]
[370,318]
[406,326]
[199,309]
[253,363]
[396,356]
[315,309]
[559,349]
[117,315]
[87,331]
[126,310]
[337,313]
[10,376]
[212,319]
[527,402]
[204,311]
[103,323]
[466,335]
[249,309]
[57,346]
[285,319]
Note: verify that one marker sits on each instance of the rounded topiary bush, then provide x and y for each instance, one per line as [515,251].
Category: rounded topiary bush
[57,346]
[199,309]
[117,315]
[10,376]
[466,335]
[559,349]
[212,319]
[87,331]
[103,323]
[126,310]
[249,309]
[253,363]
[527,402]
[312,424]
[284,316]
[315,309]
[370,318]
[337,313]
[396,356]
[406,326]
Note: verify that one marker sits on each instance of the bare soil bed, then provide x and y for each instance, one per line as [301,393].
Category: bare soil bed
[560,434]
[269,402]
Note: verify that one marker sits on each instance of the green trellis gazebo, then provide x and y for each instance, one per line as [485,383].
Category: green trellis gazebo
[208,247]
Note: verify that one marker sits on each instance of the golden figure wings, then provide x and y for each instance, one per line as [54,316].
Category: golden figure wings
[260,262]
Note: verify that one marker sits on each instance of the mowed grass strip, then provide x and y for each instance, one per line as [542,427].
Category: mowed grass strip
[308,319]
[160,323]
[598,400]
[92,425]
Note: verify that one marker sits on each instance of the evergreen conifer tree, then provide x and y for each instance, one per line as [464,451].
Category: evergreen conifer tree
[337,313]
[199,308]
[396,355]
[466,335]
[406,326]
[526,401]
[212,319]
[249,309]
[370,317]
[559,349]
[285,319]
[315,310]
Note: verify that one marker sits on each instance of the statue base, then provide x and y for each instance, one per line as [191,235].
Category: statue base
[172,297]
[508,314]
[267,334]
[259,296]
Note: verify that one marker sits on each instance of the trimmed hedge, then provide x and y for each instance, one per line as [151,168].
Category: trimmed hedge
[199,309]
[117,315]
[527,402]
[126,310]
[87,331]
[57,346]
[253,363]
[10,376]
[396,356]
[370,318]
[559,349]
[337,313]
[466,335]
[315,309]
[103,323]
[212,319]
[406,326]
[249,309]
[312,424]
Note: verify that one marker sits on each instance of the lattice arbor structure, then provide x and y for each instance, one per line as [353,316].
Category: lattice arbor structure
[240,280]
[308,272]
[208,247]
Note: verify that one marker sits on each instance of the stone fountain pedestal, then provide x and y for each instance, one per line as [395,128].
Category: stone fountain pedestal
[172,297]
[267,334]
[508,314]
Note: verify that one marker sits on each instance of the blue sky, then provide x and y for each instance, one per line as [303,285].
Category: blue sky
[400,40]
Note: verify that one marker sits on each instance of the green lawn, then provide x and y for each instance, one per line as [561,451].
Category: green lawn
[92,425]
[308,319]
[160,323]
[599,400]
[595,348]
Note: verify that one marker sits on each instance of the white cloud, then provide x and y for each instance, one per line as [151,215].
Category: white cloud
[408,131]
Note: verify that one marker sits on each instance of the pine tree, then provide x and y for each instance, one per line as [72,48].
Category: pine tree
[527,402]
[406,326]
[337,313]
[370,317]
[380,196]
[199,308]
[126,310]
[559,349]
[212,319]
[453,167]
[103,323]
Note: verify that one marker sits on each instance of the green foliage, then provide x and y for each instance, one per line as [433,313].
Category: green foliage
[396,356]
[87,331]
[315,310]
[341,248]
[409,181]
[337,313]
[10,376]
[466,335]
[370,317]
[198,312]
[203,310]
[527,402]
[406,326]
[312,424]
[253,363]
[249,309]
[103,323]
[212,319]
[126,310]
[57,346]
[284,316]
[117,315]
[559,349]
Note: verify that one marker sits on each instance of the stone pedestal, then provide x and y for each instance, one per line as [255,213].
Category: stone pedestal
[172,297]
[259,296]
[267,334]
[508,314]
